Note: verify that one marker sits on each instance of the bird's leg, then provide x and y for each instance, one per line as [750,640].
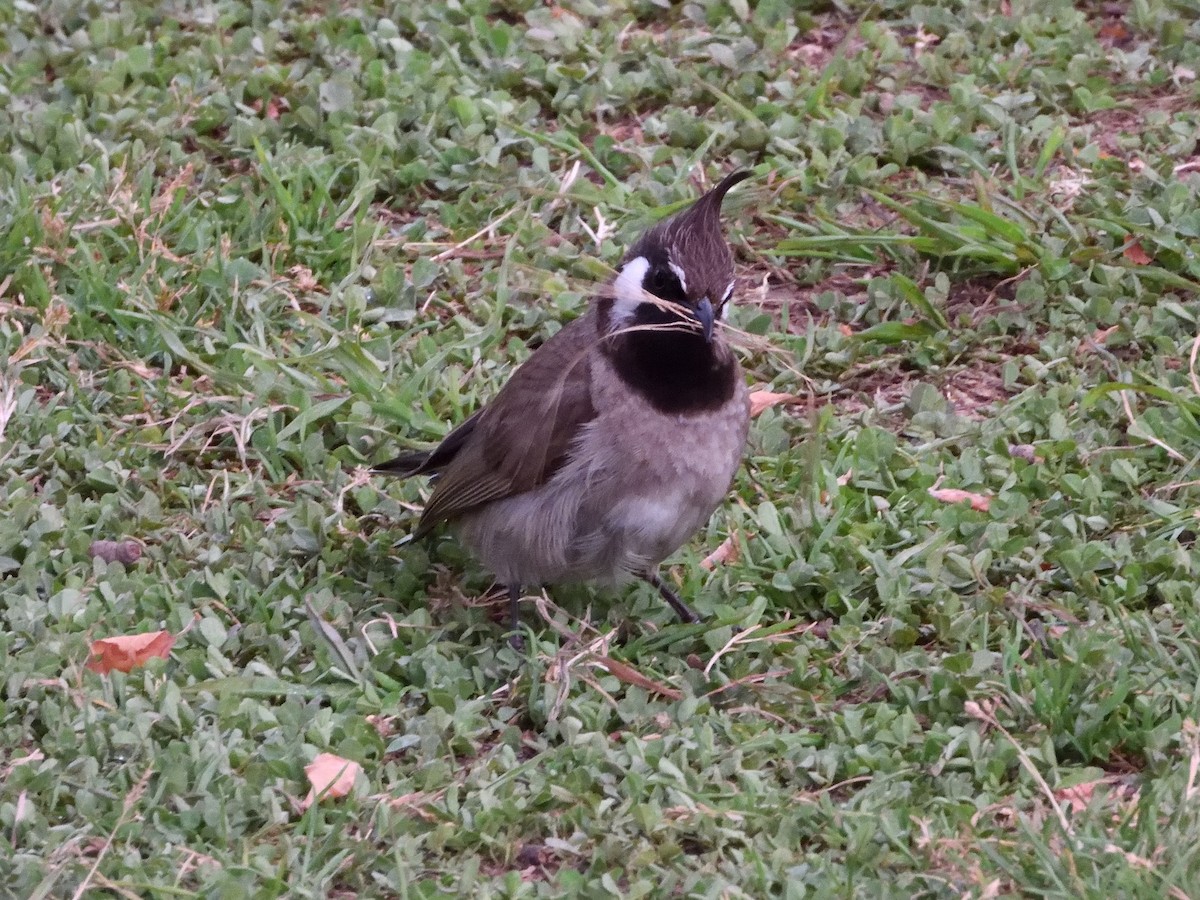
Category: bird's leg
[514,617]
[682,610]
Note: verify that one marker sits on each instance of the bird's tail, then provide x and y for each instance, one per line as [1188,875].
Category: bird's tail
[430,462]
[413,462]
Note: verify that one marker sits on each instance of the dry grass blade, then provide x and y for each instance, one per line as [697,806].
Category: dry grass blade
[132,798]
[488,229]
[979,711]
[1127,407]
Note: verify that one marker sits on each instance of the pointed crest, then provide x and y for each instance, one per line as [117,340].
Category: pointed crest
[705,213]
[695,230]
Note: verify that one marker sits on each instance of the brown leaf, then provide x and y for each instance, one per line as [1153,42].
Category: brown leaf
[1137,255]
[127,552]
[725,554]
[126,652]
[330,776]
[979,502]
[57,315]
[304,279]
[30,344]
[763,400]
[1115,31]
[630,675]
[1077,797]
[1027,452]
[385,726]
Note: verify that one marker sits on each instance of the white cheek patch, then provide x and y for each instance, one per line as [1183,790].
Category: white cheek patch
[627,290]
[723,309]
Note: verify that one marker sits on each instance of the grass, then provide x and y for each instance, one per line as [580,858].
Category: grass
[248,250]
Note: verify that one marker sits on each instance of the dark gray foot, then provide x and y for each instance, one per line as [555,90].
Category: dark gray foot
[682,610]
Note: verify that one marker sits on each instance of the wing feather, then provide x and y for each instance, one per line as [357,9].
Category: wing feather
[426,462]
[525,435]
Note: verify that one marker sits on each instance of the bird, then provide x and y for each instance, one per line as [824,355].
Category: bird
[619,436]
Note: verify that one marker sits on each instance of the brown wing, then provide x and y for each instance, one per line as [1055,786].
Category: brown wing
[521,438]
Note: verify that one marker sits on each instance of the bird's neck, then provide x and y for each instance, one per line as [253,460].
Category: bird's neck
[676,371]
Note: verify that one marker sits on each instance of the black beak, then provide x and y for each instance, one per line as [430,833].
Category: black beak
[704,315]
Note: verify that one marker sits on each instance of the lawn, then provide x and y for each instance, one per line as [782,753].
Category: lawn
[953,636]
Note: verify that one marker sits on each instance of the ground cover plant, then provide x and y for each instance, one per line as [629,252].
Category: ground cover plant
[249,248]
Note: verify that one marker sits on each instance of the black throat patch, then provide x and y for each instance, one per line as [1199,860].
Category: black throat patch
[675,369]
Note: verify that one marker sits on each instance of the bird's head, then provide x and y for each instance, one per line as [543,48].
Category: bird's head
[679,271]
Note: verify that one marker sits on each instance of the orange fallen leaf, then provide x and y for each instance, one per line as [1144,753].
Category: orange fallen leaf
[1077,797]
[1100,335]
[330,776]
[979,502]
[1137,255]
[126,652]
[1116,31]
[1097,340]
[726,553]
[763,400]
[1116,790]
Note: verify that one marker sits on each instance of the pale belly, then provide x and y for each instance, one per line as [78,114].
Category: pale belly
[619,508]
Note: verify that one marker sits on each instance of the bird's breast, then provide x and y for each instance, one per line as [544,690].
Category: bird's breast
[636,485]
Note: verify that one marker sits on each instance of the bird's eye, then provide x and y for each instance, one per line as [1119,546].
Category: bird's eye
[664,284]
